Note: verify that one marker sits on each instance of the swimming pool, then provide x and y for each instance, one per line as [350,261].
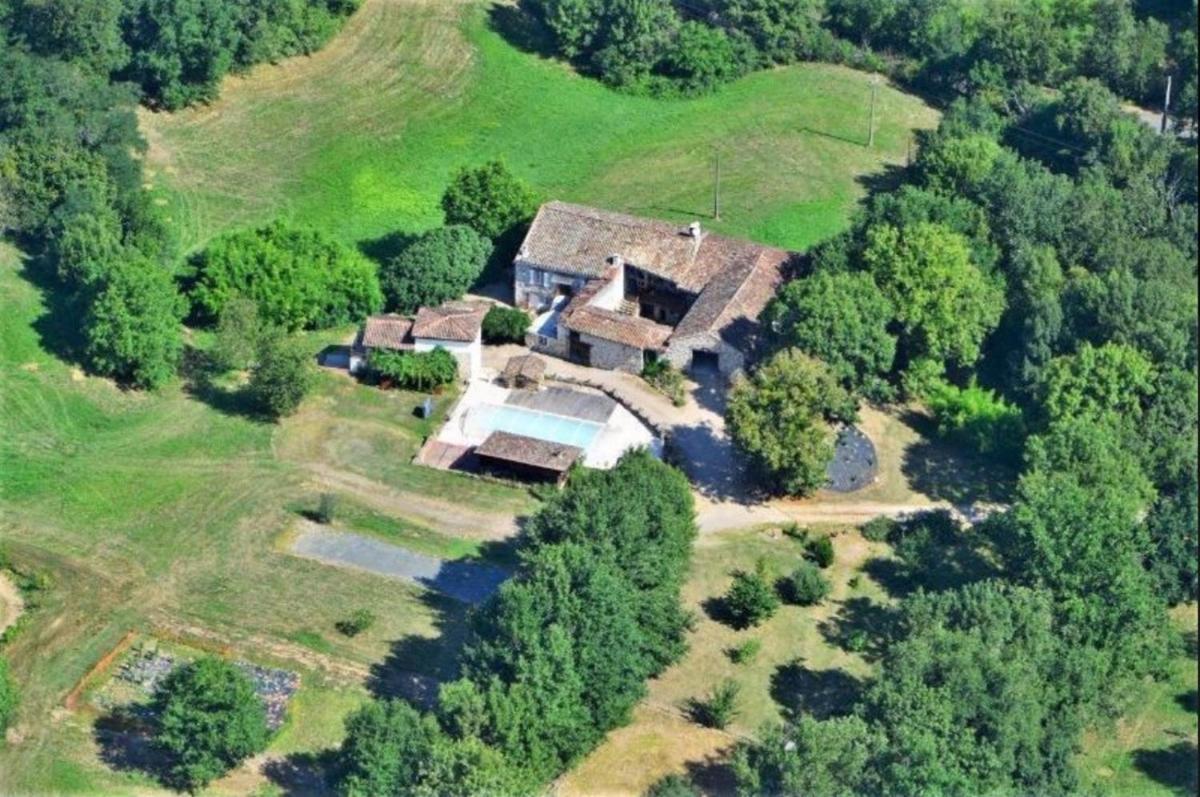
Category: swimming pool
[483,419]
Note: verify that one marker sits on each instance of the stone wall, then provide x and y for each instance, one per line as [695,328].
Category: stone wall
[613,356]
[729,359]
[535,288]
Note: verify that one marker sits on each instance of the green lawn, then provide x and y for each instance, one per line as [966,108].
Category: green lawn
[361,138]
[1151,751]
[158,512]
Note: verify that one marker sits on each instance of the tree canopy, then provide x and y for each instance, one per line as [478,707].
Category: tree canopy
[299,278]
[209,720]
[489,199]
[438,266]
[843,319]
[780,417]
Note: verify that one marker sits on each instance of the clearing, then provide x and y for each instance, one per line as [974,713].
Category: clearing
[361,138]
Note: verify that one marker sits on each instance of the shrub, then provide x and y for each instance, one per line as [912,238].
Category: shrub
[745,652]
[672,786]
[880,529]
[666,379]
[438,266]
[209,721]
[821,551]
[326,507]
[8,696]
[415,370]
[977,418]
[490,199]
[720,707]
[796,532]
[806,586]
[505,325]
[298,277]
[356,623]
[750,598]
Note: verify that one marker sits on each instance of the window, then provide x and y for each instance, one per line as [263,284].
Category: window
[546,279]
[532,278]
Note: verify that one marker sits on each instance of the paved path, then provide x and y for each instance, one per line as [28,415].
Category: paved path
[469,582]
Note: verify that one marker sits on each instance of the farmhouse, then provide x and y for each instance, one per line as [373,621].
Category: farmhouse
[453,326]
[614,291]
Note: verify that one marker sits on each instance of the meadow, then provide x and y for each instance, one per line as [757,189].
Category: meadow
[361,138]
[160,512]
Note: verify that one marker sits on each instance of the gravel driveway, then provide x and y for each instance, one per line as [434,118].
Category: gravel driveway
[469,582]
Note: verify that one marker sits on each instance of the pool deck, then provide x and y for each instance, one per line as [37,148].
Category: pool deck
[619,429]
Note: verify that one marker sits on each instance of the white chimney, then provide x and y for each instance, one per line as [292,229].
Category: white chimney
[694,230]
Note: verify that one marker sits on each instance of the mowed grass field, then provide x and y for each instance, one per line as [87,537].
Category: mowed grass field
[361,138]
[160,513]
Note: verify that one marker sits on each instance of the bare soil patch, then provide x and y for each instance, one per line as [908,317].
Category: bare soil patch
[12,605]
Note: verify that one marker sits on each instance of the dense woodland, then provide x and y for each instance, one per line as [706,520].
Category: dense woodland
[1030,278]
[943,47]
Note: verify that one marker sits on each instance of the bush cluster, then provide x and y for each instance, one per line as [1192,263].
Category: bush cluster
[505,325]
[558,657]
[297,277]
[414,370]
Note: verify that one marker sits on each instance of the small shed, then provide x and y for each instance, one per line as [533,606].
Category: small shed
[389,332]
[523,371]
[511,454]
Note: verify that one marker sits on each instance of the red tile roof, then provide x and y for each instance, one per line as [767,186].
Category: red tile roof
[386,332]
[640,333]
[459,321]
[531,451]
[576,239]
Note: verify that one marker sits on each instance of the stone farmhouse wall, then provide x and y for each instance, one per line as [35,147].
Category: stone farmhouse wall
[681,350]
[536,288]
[613,356]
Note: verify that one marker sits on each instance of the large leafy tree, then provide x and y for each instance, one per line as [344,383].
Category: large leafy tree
[1075,529]
[1110,380]
[975,698]
[282,376]
[209,720]
[945,304]
[841,318]
[489,199]
[133,324]
[823,758]
[780,417]
[300,278]
[438,266]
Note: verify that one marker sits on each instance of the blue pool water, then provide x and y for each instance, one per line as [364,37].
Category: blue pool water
[488,418]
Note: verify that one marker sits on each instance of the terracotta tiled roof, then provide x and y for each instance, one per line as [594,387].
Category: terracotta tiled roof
[731,303]
[640,333]
[386,332]
[459,321]
[529,451]
[524,365]
[580,240]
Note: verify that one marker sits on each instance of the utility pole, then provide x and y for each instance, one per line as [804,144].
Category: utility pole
[717,184]
[1162,128]
[871,129]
